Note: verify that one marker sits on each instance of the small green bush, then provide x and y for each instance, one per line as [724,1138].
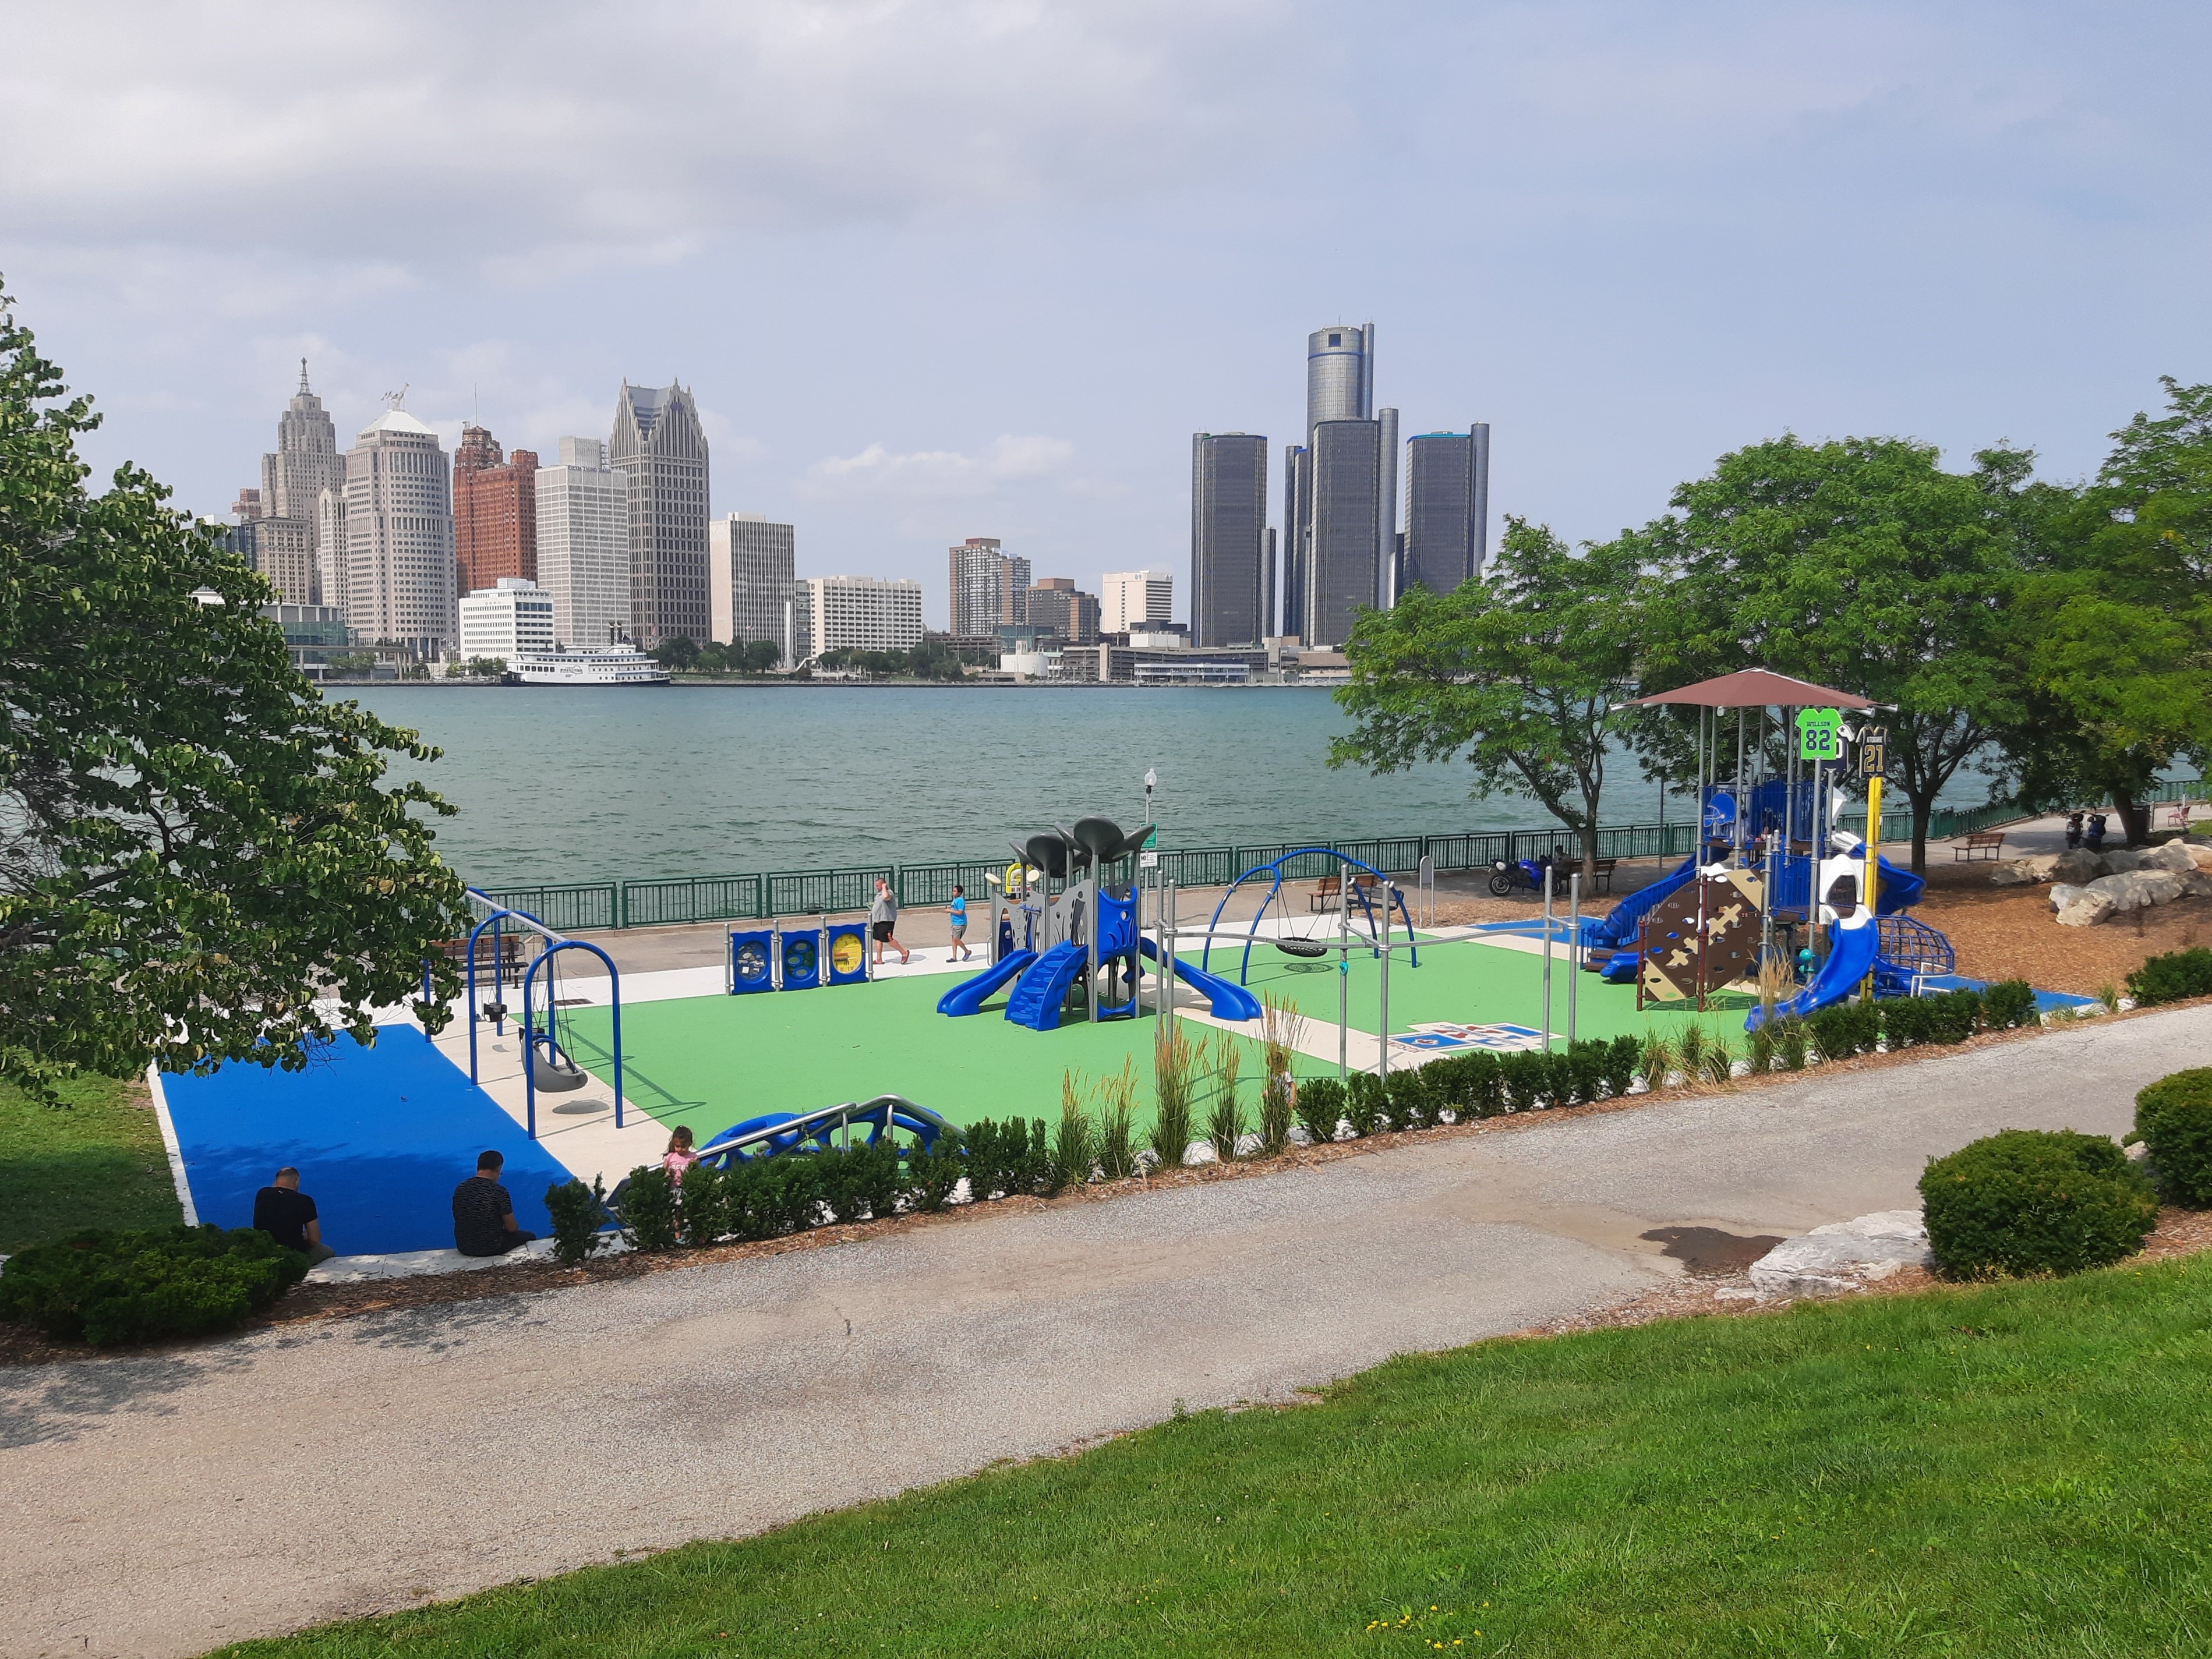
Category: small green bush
[113,1288]
[2035,1201]
[1413,1103]
[1954,1016]
[578,1212]
[2008,1003]
[1528,1080]
[2174,977]
[932,1176]
[647,1203]
[2173,1118]
[1469,1084]
[1321,1108]
[1366,1107]
[1845,1029]
[703,1210]
[1906,1022]
[1584,1072]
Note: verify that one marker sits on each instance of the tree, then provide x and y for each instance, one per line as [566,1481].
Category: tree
[762,656]
[193,844]
[1859,564]
[1522,673]
[679,653]
[2111,635]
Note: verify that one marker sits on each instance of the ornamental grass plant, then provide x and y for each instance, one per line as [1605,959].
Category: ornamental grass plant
[1225,1122]
[1174,1080]
[1118,1105]
[1075,1140]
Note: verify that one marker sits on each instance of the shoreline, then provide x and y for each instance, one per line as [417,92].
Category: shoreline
[702,682]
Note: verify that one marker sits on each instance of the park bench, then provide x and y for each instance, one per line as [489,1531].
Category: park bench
[1601,875]
[1982,844]
[1329,890]
[510,950]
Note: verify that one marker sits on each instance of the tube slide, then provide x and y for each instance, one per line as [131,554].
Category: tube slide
[1616,929]
[968,996]
[1854,943]
[1230,999]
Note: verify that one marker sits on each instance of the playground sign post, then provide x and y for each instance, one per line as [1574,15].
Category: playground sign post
[1820,734]
[1874,746]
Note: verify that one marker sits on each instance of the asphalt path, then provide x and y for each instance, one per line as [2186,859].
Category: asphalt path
[163,1504]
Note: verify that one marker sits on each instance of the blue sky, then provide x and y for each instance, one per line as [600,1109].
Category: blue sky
[936,270]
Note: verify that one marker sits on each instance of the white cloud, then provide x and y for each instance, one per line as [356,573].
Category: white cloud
[937,472]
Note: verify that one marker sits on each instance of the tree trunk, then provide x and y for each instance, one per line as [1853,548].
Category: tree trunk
[1923,808]
[2134,820]
[1589,852]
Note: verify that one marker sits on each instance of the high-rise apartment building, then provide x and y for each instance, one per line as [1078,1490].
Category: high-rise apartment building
[658,443]
[1055,602]
[1332,562]
[511,618]
[858,613]
[495,512]
[399,536]
[987,583]
[751,587]
[1130,599]
[1447,507]
[1232,588]
[307,463]
[583,545]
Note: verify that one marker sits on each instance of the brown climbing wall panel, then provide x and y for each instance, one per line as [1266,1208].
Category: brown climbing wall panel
[1682,957]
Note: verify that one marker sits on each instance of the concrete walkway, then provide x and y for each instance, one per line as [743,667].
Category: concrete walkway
[166,1503]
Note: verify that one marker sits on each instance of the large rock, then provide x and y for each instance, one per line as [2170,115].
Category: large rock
[2200,853]
[2174,856]
[2021,872]
[2139,889]
[2082,907]
[2077,865]
[1844,1256]
[2118,862]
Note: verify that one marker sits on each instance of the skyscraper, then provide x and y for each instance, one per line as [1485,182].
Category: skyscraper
[495,512]
[1447,507]
[1332,562]
[750,580]
[307,463]
[658,444]
[399,535]
[1056,603]
[987,587]
[1232,594]
[583,545]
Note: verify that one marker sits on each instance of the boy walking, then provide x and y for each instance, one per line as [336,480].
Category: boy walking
[959,917]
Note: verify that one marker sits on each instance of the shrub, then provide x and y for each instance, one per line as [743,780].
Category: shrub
[860,1182]
[2173,1118]
[1006,1160]
[578,1212]
[933,1175]
[1906,1022]
[1845,1029]
[703,1213]
[1366,1107]
[2173,977]
[1954,1016]
[1482,1083]
[1527,1078]
[2034,1201]
[1319,1107]
[1760,1047]
[1412,1097]
[113,1288]
[1584,1072]
[647,1203]
[1791,1040]
[1622,1056]
[2008,1003]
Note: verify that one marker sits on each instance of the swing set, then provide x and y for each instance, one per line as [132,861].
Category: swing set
[549,1062]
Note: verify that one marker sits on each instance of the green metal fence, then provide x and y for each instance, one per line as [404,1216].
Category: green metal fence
[818,892]
[692,898]
[570,908]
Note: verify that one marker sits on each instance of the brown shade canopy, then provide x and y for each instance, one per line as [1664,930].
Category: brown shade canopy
[1757,688]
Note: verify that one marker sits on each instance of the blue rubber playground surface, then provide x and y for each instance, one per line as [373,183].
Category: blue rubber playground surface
[381,1136]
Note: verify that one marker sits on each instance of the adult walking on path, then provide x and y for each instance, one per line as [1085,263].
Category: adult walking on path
[991,1334]
[883,921]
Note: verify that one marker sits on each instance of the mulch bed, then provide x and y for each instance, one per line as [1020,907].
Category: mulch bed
[309,1303]
[2010,932]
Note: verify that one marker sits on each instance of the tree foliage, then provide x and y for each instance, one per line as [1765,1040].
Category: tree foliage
[194,846]
[1522,673]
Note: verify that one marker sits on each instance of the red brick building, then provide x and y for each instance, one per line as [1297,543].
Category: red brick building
[495,512]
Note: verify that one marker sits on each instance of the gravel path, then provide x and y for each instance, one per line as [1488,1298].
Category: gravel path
[164,1504]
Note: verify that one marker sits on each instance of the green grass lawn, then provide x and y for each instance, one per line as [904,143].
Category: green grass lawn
[2016,1470]
[96,1163]
[711,1061]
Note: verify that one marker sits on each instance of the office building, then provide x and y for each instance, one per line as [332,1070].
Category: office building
[987,583]
[1232,598]
[283,551]
[1129,599]
[1340,493]
[1055,602]
[1447,507]
[855,613]
[314,633]
[330,551]
[307,463]
[495,512]
[399,536]
[658,443]
[582,537]
[749,587]
[512,617]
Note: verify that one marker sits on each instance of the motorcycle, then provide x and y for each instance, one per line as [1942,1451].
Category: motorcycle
[1508,877]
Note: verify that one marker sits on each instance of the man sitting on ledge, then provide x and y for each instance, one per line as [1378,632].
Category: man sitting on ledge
[484,1215]
[288,1215]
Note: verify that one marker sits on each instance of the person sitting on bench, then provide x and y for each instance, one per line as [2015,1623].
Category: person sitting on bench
[483,1214]
[288,1215]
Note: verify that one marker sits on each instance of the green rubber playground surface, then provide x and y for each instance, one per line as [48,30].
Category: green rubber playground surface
[708,1062]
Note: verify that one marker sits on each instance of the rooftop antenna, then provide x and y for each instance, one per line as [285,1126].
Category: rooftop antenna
[303,375]
[397,399]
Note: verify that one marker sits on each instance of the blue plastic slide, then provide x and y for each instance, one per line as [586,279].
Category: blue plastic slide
[1855,942]
[968,996]
[1230,999]
[1616,929]
[1043,985]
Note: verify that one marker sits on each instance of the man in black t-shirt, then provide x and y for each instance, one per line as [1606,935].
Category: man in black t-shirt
[483,1214]
[288,1215]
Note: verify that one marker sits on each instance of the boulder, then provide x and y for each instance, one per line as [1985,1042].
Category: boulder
[2139,889]
[2078,865]
[2118,862]
[2200,853]
[2021,872]
[2197,884]
[1844,1256]
[2174,856]
[2084,907]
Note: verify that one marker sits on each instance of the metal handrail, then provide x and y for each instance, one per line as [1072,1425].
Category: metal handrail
[802,1126]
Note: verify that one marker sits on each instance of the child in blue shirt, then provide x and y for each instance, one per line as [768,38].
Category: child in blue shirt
[959,917]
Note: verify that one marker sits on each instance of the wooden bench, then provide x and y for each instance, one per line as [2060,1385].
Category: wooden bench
[1328,891]
[1982,844]
[1601,875]
[510,949]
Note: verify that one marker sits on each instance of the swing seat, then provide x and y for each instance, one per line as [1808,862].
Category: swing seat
[555,1074]
[1302,947]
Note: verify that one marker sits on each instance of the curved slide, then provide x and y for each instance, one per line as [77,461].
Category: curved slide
[1230,999]
[968,996]
[1616,929]
[1855,942]
[1042,990]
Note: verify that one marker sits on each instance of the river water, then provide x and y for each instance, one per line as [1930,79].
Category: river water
[596,784]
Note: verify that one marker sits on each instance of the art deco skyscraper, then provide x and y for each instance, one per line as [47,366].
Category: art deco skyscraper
[1447,507]
[1340,492]
[399,536]
[1231,586]
[286,537]
[658,443]
[495,512]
